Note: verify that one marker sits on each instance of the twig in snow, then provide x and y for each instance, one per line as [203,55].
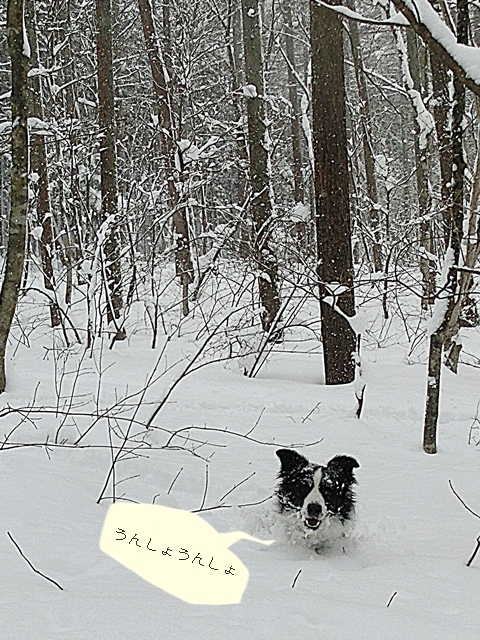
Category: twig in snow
[30,564]
[237,485]
[464,504]
[360,397]
[391,598]
[310,413]
[472,558]
[296,577]
[256,423]
[174,480]
[206,488]
[475,551]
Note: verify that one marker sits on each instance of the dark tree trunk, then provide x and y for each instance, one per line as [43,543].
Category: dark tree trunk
[19,56]
[38,165]
[458,172]
[334,246]
[183,260]
[261,205]
[108,172]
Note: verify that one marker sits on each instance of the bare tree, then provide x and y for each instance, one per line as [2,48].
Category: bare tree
[367,143]
[158,67]
[38,166]
[258,143]
[108,170]
[452,260]
[332,204]
[19,51]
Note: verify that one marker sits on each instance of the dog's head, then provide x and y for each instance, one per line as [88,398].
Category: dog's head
[316,492]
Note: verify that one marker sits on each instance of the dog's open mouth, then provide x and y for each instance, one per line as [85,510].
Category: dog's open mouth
[312,522]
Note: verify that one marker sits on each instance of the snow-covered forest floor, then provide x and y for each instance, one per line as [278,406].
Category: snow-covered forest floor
[412,538]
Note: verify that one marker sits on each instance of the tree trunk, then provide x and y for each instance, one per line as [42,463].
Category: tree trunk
[293,98]
[258,141]
[19,54]
[334,245]
[38,166]
[427,267]
[108,172]
[234,37]
[368,155]
[458,171]
[183,260]
[441,112]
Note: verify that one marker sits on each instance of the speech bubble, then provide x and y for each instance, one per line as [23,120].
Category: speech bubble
[177,551]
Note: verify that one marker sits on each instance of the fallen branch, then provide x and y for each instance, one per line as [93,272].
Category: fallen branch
[472,558]
[30,564]
[296,577]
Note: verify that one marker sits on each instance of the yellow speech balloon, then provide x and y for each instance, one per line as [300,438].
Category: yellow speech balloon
[177,551]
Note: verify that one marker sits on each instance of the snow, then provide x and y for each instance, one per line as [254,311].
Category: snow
[425,121]
[411,537]
[249,91]
[300,212]
[396,19]
[26,51]
[441,303]
[467,57]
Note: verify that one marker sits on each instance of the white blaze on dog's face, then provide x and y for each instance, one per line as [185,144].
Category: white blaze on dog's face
[314,509]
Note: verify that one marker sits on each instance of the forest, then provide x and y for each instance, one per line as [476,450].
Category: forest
[228,226]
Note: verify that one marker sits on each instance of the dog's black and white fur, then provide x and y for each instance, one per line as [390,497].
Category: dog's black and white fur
[318,502]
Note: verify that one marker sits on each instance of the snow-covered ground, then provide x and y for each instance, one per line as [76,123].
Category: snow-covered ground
[412,538]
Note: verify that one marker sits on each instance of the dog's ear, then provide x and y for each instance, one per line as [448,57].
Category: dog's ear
[291,460]
[342,466]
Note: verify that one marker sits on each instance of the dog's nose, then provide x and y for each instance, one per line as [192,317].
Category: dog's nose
[314,510]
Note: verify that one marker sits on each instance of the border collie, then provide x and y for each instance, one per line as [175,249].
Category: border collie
[317,502]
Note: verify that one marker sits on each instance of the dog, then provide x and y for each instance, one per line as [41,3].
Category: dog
[317,502]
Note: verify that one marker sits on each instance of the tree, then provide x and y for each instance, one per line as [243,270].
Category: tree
[183,259]
[108,170]
[332,205]
[19,51]
[446,306]
[367,143]
[38,166]
[259,147]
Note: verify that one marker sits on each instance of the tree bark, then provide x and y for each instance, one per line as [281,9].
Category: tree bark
[108,171]
[298,190]
[437,339]
[183,260]
[333,227]
[261,204]
[368,155]
[234,42]
[437,47]
[19,56]
[38,165]
[441,113]
[427,266]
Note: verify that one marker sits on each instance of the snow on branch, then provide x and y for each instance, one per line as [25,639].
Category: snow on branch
[425,121]
[396,20]
[463,60]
